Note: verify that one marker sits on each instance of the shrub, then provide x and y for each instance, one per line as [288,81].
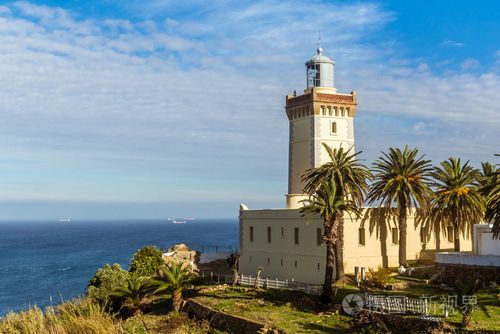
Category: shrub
[380,277]
[146,261]
[104,281]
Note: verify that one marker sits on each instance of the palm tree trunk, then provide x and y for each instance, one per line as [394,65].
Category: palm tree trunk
[326,296]
[456,232]
[456,236]
[176,300]
[402,236]
[339,248]
[437,230]
[235,276]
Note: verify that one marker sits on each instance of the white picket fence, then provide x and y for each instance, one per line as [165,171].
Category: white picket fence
[266,283]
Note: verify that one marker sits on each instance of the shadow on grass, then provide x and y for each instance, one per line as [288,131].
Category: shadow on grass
[310,327]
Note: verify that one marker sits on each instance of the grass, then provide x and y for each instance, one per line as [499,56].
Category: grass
[175,323]
[293,312]
[79,316]
[287,311]
[283,310]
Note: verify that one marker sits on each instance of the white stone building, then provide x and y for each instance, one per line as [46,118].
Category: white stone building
[286,244]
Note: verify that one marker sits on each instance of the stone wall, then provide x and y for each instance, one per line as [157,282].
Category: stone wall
[222,321]
[451,272]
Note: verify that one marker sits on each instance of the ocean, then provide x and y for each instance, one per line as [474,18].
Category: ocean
[43,263]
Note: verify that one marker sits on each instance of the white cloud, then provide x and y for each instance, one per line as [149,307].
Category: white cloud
[450,43]
[198,103]
[469,64]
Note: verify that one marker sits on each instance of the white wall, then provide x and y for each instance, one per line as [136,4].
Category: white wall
[484,244]
[470,259]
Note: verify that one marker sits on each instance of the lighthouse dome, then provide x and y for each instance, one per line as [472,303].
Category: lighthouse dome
[320,57]
[320,70]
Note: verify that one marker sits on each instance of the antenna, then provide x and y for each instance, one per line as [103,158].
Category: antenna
[320,43]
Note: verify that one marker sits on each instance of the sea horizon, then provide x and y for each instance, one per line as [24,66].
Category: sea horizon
[46,261]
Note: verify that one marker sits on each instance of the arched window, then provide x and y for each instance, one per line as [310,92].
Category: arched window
[336,112]
[329,111]
[342,111]
[323,112]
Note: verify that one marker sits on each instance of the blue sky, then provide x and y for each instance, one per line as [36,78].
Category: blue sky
[154,109]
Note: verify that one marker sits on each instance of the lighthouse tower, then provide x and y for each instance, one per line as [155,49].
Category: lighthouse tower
[320,115]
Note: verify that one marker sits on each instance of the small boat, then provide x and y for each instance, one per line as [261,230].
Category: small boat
[179,222]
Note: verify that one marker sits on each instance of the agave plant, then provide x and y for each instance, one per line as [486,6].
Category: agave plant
[172,278]
[465,289]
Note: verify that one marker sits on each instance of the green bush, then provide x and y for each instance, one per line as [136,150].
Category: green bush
[146,261]
[104,281]
[380,277]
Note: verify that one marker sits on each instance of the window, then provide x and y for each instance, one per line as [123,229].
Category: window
[295,263]
[361,232]
[323,112]
[395,236]
[334,127]
[296,230]
[268,261]
[281,261]
[329,111]
[336,112]
[282,232]
[318,266]
[269,235]
[342,111]
[450,234]
[319,236]
[251,233]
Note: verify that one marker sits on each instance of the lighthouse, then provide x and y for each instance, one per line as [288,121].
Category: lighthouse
[320,115]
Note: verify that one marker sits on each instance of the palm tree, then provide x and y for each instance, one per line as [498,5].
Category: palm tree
[335,187]
[233,263]
[401,177]
[132,292]
[173,278]
[490,189]
[457,201]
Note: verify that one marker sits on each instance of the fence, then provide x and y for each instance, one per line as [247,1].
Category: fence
[266,283]
[396,304]
[215,248]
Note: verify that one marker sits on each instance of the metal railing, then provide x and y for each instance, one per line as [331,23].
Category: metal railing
[214,248]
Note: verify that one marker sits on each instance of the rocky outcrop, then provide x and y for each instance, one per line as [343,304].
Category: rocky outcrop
[182,253]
